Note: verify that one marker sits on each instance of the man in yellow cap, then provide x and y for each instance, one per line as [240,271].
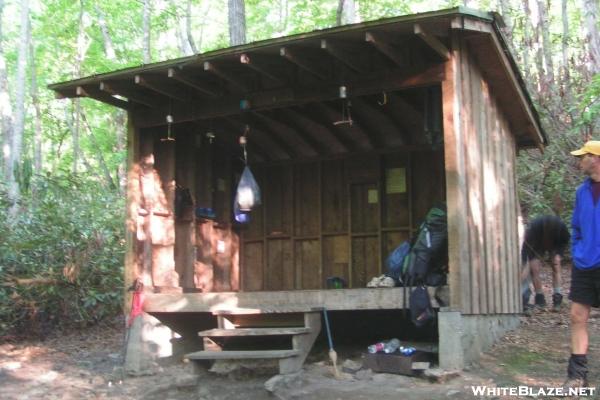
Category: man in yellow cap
[585,276]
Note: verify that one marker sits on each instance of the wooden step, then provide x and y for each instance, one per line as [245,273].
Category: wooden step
[253,332]
[241,354]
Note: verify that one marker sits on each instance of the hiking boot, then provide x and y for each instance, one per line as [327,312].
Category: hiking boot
[540,300]
[528,310]
[573,383]
[556,302]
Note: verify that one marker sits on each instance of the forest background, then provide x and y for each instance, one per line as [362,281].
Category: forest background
[63,161]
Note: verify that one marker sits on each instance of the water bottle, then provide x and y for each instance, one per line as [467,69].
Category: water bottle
[391,346]
[407,351]
[376,348]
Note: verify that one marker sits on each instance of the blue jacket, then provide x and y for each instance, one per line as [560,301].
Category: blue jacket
[585,238]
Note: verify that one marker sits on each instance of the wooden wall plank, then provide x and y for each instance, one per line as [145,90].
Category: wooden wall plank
[203,268]
[472,150]
[133,247]
[456,189]
[365,260]
[184,222]
[162,220]
[336,257]
[253,267]
[307,260]
[428,183]
[333,197]
[255,228]
[279,200]
[395,204]
[364,207]
[280,266]
[306,199]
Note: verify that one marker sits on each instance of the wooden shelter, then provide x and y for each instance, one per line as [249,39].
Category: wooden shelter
[353,133]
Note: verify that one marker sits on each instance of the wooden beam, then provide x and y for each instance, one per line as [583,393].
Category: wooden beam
[342,55]
[364,139]
[228,76]
[159,88]
[131,94]
[259,126]
[385,125]
[262,139]
[96,94]
[303,62]
[292,121]
[390,80]
[433,42]
[325,117]
[260,65]
[385,48]
[282,301]
[321,132]
[206,88]
[295,138]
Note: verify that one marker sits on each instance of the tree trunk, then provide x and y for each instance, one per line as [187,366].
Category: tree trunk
[591,14]
[188,27]
[544,24]
[120,126]
[98,154]
[6,111]
[346,12]
[237,22]
[146,15]
[527,44]
[564,73]
[109,49]
[37,132]
[184,46]
[17,137]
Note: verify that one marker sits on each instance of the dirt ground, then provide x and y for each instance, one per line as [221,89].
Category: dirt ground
[87,365]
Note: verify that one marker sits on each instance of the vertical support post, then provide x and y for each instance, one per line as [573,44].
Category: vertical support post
[456,196]
[132,259]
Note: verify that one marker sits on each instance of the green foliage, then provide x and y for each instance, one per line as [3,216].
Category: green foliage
[61,259]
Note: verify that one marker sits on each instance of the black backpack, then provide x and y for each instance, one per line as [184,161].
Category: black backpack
[429,251]
[421,312]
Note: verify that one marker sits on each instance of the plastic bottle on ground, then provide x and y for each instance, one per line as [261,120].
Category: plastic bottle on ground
[376,348]
[391,346]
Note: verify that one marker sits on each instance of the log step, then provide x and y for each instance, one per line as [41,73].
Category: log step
[241,354]
[253,332]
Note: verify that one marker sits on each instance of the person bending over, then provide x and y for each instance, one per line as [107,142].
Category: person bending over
[546,234]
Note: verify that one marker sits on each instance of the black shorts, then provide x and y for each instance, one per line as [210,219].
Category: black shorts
[585,286]
[529,252]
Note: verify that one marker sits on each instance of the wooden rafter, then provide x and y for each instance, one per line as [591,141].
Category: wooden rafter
[303,62]
[295,138]
[292,122]
[326,118]
[322,133]
[394,79]
[383,120]
[258,124]
[206,88]
[94,93]
[131,94]
[341,54]
[335,114]
[385,47]
[228,76]
[260,65]
[159,88]
[260,138]
[433,42]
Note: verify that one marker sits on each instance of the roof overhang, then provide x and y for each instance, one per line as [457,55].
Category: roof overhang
[365,59]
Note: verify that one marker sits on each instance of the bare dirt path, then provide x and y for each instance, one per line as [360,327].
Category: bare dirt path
[86,365]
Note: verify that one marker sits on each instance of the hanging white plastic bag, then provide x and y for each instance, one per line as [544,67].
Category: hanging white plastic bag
[248,192]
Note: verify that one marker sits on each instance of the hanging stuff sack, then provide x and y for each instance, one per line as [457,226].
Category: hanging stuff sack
[248,192]
[421,312]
